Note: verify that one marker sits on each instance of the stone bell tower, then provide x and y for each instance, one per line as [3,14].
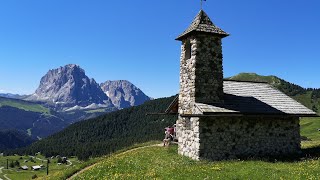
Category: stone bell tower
[201,71]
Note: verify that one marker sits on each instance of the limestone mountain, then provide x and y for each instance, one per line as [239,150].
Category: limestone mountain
[69,86]
[124,94]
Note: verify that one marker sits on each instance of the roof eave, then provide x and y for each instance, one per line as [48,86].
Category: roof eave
[236,114]
[183,36]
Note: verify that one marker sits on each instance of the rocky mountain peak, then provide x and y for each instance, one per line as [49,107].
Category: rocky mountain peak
[123,93]
[69,86]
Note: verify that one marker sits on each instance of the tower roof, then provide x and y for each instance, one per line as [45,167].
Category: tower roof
[202,23]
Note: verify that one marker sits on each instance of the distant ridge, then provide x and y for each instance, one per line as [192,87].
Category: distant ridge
[13,96]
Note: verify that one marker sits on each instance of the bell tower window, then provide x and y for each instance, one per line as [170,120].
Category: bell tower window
[187,50]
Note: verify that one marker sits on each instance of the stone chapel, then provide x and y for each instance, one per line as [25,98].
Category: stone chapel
[223,119]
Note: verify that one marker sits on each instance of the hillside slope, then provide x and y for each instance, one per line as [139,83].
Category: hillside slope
[165,163]
[108,133]
[34,119]
[11,139]
[307,96]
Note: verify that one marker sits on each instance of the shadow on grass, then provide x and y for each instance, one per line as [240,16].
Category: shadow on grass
[312,152]
[306,154]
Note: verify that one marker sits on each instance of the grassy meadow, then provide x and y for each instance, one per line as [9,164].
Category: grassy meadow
[24,105]
[165,163]
[55,171]
[154,162]
[310,129]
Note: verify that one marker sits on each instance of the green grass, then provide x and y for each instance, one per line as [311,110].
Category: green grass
[309,128]
[55,171]
[165,163]
[24,106]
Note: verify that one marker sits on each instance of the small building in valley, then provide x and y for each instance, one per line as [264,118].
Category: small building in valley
[222,119]
[36,168]
[25,168]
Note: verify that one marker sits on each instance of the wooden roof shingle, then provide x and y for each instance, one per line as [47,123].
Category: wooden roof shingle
[202,23]
[251,98]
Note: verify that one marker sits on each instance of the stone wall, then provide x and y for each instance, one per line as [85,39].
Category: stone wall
[201,75]
[187,77]
[209,70]
[218,138]
[188,134]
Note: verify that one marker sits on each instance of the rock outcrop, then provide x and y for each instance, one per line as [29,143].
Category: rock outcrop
[69,86]
[124,94]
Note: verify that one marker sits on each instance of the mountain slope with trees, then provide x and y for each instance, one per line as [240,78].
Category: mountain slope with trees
[30,118]
[108,133]
[11,139]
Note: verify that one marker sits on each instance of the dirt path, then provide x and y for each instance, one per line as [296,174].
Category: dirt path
[1,172]
[5,176]
[93,165]
[70,163]
[44,160]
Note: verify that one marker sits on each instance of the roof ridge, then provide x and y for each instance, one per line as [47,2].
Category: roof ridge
[260,82]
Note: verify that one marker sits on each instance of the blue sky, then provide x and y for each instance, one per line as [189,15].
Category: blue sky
[134,40]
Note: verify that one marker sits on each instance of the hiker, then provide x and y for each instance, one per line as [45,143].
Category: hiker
[171,132]
[174,132]
[167,138]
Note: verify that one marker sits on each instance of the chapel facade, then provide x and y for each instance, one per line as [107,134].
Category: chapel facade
[222,119]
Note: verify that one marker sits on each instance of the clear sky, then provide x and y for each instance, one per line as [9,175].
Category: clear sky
[134,40]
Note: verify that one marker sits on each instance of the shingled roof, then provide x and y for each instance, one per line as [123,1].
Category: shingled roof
[202,23]
[250,98]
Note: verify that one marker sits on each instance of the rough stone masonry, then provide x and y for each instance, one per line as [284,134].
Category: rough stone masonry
[219,138]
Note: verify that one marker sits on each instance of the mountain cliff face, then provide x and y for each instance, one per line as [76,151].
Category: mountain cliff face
[69,86]
[124,94]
